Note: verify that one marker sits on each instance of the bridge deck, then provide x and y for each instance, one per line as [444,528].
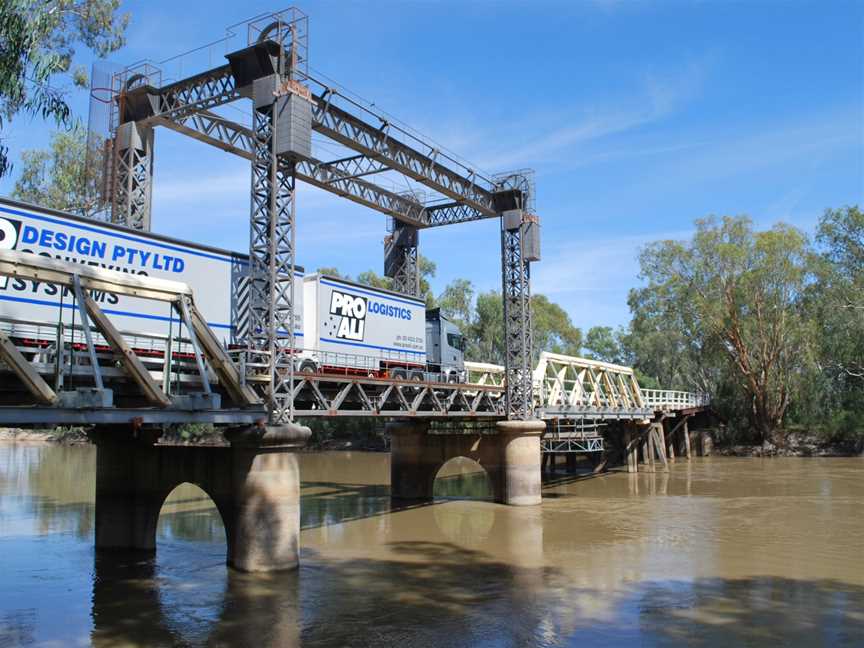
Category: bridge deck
[94,374]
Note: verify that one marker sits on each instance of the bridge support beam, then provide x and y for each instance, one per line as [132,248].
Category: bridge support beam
[510,455]
[255,484]
[631,446]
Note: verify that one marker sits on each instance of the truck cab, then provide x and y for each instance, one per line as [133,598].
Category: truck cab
[445,347]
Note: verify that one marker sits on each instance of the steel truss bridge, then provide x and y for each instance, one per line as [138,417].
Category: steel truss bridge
[95,374]
[288,105]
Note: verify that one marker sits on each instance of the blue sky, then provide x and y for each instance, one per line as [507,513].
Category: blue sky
[638,117]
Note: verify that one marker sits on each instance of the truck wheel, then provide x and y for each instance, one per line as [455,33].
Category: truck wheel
[416,376]
[398,374]
[452,378]
[308,367]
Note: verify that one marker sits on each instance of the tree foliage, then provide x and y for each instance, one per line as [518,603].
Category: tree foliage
[836,303]
[56,178]
[733,295]
[481,320]
[607,344]
[427,270]
[332,271]
[38,42]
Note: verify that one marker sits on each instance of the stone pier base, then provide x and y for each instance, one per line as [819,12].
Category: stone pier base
[255,484]
[510,456]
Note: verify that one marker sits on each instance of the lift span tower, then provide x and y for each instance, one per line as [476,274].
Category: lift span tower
[271,75]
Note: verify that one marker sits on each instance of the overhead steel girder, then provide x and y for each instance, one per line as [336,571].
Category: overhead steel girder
[218,86]
[377,143]
[339,177]
[357,166]
[200,92]
[323,176]
[450,213]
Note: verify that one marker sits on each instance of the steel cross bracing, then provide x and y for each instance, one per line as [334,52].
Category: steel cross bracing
[405,269]
[401,258]
[185,105]
[271,263]
[339,177]
[568,386]
[574,444]
[199,92]
[380,144]
[516,291]
[324,395]
[132,175]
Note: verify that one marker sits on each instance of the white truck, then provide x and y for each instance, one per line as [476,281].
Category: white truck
[339,326]
[26,306]
[356,329]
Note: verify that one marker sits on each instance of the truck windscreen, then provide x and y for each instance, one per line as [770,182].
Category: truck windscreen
[456,341]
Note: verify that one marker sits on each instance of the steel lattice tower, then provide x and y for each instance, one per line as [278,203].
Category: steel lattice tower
[272,72]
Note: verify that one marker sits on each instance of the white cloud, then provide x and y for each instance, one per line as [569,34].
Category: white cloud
[655,97]
[813,140]
[591,279]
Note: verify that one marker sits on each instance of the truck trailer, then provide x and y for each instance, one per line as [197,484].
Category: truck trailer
[340,326]
[357,329]
[216,276]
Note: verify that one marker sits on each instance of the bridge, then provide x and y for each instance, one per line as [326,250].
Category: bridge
[127,385]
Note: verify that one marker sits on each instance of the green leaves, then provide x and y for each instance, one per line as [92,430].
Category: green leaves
[730,298]
[38,42]
[481,320]
[836,304]
[58,178]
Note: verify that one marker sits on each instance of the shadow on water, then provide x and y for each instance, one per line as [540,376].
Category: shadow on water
[325,503]
[139,601]
[332,503]
[457,574]
[441,594]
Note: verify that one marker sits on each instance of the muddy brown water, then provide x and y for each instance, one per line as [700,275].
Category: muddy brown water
[718,552]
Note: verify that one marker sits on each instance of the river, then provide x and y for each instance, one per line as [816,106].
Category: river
[718,552]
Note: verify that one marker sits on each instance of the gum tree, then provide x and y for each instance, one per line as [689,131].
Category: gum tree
[38,43]
[734,295]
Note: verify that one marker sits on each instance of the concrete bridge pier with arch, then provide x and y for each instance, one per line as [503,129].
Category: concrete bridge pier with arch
[510,455]
[254,483]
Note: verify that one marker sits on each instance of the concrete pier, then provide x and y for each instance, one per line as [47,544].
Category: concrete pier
[255,484]
[510,456]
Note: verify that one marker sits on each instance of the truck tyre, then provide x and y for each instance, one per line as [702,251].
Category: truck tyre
[399,374]
[308,367]
[415,376]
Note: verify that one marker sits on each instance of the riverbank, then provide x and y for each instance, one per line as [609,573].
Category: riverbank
[73,436]
[793,445]
[78,436]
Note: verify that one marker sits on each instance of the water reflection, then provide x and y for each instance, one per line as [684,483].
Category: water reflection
[714,552]
[462,478]
[188,514]
[140,601]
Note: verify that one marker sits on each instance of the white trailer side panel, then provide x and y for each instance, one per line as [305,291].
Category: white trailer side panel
[215,276]
[354,325]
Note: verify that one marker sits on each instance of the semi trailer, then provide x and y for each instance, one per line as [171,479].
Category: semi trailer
[357,329]
[340,326]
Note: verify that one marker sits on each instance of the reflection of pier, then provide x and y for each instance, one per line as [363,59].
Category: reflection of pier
[255,482]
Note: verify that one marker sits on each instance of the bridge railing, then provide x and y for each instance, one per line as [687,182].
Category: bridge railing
[104,344]
[670,399]
[570,383]
[484,373]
